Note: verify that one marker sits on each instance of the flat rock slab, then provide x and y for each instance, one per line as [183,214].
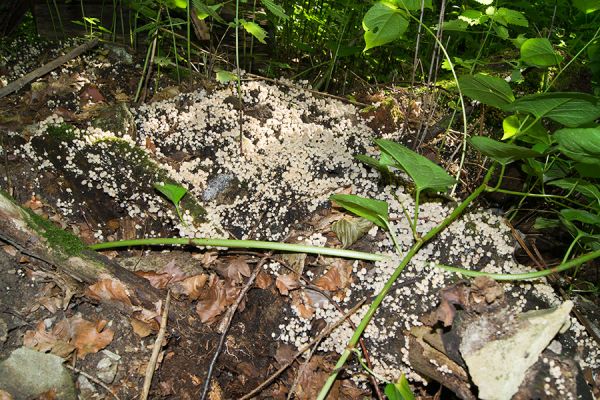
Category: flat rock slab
[28,373]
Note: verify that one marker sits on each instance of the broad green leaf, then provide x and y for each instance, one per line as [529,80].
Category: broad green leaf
[587,170]
[587,6]
[455,25]
[511,17]
[178,3]
[172,192]
[587,189]
[275,9]
[399,390]
[487,89]
[504,153]
[349,229]
[581,216]
[383,23]
[413,5]
[375,211]
[425,173]
[538,52]
[511,126]
[580,144]
[501,31]
[226,76]
[473,17]
[203,15]
[255,30]
[546,223]
[569,109]
[519,40]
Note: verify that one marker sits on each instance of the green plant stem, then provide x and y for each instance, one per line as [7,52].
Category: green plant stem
[572,246]
[416,213]
[460,96]
[528,275]
[388,285]
[245,244]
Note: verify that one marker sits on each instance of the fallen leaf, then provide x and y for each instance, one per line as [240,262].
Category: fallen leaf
[10,250]
[5,395]
[287,282]
[191,287]
[174,271]
[263,280]
[235,269]
[45,341]
[339,276]
[303,304]
[207,257]
[158,280]
[284,353]
[109,290]
[141,328]
[350,229]
[91,93]
[89,337]
[212,301]
[33,203]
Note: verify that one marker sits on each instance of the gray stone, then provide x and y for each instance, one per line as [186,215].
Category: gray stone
[28,373]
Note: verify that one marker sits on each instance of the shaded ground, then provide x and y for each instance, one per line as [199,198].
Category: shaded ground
[76,153]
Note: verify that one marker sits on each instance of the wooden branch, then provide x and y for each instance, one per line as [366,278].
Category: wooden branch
[43,70]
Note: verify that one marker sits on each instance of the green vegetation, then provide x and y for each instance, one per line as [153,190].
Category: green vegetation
[58,239]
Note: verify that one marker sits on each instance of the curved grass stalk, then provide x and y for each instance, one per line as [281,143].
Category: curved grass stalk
[244,244]
[524,276]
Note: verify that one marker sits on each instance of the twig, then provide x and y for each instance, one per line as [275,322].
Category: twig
[43,70]
[317,339]
[93,379]
[156,349]
[301,371]
[224,326]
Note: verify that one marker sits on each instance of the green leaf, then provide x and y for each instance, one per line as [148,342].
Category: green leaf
[510,17]
[580,144]
[587,189]
[504,153]
[349,230]
[203,15]
[202,8]
[172,192]
[569,109]
[538,52]
[587,6]
[424,172]
[399,390]
[546,223]
[511,126]
[375,211]
[275,9]
[455,25]
[583,216]
[226,76]
[587,170]
[383,23]
[487,89]
[255,30]
[473,17]
[413,5]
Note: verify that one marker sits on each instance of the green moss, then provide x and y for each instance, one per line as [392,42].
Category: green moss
[69,244]
[63,132]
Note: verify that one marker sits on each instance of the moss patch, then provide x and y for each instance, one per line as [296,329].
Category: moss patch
[59,239]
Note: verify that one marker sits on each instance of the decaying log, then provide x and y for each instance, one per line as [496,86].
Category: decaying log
[44,69]
[64,254]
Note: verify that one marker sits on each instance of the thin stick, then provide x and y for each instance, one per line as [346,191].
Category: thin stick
[93,379]
[325,332]
[301,371]
[156,350]
[43,70]
[226,323]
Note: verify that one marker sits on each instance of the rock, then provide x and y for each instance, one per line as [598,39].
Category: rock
[116,118]
[107,369]
[498,359]
[223,188]
[27,373]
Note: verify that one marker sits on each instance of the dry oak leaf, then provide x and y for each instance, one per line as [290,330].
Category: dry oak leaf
[156,279]
[47,341]
[191,287]
[339,276]
[89,337]
[109,290]
[263,279]
[287,282]
[212,301]
[235,269]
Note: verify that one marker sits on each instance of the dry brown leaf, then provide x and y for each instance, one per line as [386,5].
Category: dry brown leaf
[312,376]
[263,279]
[10,250]
[207,257]
[141,328]
[287,282]
[109,290]
[235,269]
[173,270]
[91,93]
[33,203]
[339,276]
[158,280]
[191,287]
[303,304]
[212,301]
[44,341]
[5,395]
[284,353]
[89,337]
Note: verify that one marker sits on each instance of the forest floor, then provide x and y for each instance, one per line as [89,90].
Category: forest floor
[77,152]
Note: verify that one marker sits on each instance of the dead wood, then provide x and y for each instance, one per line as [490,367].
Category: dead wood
[40,239]
[43,70]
